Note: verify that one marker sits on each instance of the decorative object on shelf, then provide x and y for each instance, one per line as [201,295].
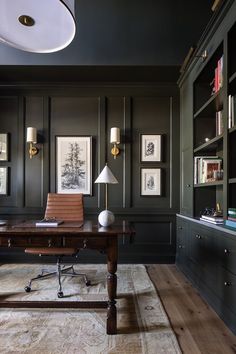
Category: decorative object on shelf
[115,140]
[3,147]
[37,26]
[31,138]
[151,147]
[207,169]
[150,182]
[74,164]
[3,180]
[106,217]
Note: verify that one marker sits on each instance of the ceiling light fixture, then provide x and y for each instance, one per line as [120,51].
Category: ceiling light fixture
[43,26]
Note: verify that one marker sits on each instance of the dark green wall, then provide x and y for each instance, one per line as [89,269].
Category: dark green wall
[92,110]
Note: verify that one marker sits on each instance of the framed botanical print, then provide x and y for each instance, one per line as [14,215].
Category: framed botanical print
[151,147]
[3,147]
[3,180]
[74,164]
[151,182]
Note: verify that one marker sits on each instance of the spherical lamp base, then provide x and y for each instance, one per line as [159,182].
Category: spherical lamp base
[106,218]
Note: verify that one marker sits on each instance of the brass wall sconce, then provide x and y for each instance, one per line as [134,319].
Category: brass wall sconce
[115,140]
[32,139]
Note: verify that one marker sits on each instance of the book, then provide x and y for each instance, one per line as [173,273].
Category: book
[232,219]
[213,221]
[212,218]
[230,223]
[48,223]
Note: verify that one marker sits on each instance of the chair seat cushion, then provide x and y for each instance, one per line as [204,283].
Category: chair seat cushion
[52,251]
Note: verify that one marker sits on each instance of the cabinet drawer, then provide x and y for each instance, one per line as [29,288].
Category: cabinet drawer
[226,253]
[95,243]
[226,289]
[29,241]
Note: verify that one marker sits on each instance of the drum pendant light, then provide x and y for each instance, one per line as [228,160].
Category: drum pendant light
[38,26]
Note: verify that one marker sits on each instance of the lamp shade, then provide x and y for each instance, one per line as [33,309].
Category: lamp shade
[39,26]
[31,135]
[115,135]
[106,176]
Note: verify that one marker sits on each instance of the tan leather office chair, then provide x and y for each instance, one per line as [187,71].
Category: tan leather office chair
[66,207]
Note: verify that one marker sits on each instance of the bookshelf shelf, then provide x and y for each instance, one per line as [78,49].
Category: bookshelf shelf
[210,145]
[215,103]
[233,129]
[209,184]
[232,78]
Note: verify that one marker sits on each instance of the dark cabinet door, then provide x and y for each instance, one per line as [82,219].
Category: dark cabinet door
[181,246]
[187,182]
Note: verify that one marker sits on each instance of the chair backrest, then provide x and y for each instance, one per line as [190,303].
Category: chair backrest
[65,207]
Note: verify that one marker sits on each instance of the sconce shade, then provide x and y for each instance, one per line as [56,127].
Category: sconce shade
[106,176]
[115,136]
[31,135]
[39,26]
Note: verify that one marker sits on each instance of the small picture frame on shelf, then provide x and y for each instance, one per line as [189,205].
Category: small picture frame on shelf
[74,164]
[3,180]
[3,147]
[151,184]
[151,147]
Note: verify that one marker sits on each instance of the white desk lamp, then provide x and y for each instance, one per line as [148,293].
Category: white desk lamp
[106,217]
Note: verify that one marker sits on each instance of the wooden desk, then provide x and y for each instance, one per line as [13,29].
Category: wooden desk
[90,235]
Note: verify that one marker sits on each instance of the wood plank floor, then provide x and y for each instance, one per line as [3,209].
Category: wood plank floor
[198,328]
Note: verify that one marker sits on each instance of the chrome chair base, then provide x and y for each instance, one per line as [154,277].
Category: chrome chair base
[61,271]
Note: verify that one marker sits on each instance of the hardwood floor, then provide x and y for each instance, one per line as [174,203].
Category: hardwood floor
[198,328]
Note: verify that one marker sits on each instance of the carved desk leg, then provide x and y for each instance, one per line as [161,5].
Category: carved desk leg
[111,286]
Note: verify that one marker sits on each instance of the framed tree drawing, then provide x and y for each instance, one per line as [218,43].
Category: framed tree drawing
[150,182]
[3,180]
[74,164]
[3,147]
[151,147]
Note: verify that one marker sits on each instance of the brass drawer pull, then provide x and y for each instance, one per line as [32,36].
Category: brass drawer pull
[198,236]
[226,251]
[9,243]
[49,242]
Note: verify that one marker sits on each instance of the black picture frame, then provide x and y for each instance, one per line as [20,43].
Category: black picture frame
[151,148]
[151,181]
[74,164]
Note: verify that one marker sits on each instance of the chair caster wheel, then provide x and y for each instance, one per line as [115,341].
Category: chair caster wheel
[28,289]
[60,294]
[88,283]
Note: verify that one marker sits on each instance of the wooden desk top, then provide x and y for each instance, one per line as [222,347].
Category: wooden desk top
[27,227]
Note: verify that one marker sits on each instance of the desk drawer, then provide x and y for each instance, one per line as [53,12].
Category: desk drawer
[27,241]
[91,243]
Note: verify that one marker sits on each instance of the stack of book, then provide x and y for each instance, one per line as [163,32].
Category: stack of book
[231,221]
[217,220]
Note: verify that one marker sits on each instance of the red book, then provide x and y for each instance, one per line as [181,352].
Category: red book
[232,219]
[216,83]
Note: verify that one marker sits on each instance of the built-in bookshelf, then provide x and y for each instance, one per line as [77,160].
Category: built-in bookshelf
[214,130]
[208,133]
[231,118]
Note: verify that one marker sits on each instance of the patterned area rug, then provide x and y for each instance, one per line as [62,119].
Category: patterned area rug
[143,326]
